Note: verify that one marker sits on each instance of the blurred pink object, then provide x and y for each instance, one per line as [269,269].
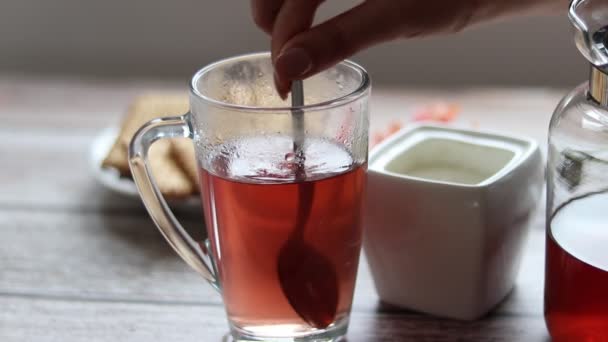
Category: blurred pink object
[437,112]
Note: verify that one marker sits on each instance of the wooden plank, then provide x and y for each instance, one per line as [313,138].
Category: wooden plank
[66,104]
[47,169]
[107,257]
[73,320]
[124,258]
[31,319]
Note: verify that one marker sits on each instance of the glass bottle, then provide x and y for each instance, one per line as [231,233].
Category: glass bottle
[576,277]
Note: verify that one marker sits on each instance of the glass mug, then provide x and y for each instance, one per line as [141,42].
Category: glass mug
[284,228]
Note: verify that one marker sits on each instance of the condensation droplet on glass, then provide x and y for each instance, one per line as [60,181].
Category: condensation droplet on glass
[290,157]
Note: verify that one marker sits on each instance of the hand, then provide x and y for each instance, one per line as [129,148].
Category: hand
[299,50]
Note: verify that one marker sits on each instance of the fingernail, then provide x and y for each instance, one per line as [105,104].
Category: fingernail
[281,90]
[293,63]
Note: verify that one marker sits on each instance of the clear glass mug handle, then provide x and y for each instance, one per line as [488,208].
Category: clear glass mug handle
[169,226]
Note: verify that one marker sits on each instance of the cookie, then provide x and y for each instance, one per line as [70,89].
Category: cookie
[183,153]
[173,179]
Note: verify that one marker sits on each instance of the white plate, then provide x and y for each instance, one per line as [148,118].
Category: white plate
[111,179]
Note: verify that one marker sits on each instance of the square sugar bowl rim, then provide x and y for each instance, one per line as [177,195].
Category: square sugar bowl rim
[522,148]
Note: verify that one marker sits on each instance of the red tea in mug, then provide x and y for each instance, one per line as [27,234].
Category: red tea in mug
[576,284]
[250,198]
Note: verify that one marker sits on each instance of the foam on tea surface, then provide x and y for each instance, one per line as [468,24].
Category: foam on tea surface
[270,158]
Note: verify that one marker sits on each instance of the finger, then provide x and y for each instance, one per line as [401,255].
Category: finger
[295,16]
[367,24]
[265,12]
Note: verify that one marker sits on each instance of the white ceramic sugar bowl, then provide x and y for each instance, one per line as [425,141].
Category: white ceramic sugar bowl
[447,216]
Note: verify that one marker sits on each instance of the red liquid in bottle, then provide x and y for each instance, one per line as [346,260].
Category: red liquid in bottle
[576,283]
[251,204]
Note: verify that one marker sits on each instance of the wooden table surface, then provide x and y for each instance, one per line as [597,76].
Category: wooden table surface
[80,263]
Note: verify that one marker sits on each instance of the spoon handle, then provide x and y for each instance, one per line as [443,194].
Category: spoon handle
[297,114]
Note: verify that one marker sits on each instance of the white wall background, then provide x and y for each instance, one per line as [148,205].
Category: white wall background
[162,38]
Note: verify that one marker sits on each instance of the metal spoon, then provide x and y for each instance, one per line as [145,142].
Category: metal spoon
[308,278]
